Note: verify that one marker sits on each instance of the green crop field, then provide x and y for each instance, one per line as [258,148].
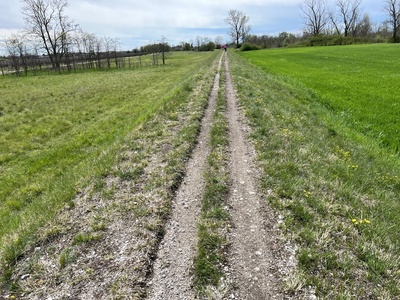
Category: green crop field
[325,126]
[359,82]
[59,131]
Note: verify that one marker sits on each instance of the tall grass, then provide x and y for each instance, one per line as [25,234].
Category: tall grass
[336,188]
[359,82]
[59,131]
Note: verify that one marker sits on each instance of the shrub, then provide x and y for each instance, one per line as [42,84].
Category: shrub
[249,47]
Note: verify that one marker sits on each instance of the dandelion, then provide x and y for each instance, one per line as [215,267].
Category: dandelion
[361,221]
[307,194]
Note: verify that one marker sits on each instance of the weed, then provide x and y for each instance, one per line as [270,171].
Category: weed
[66,257]
[83,238]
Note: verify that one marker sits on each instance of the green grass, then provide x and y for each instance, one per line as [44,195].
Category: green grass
[360,83]
[214,219]
[323,174]
[58,132]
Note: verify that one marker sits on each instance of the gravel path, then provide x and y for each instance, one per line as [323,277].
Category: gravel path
[172,278]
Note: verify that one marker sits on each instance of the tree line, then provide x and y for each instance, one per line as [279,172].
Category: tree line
[347,18]
[52,40]
[343,22]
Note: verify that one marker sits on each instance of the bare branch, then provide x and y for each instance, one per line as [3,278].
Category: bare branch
[239,27]
[315,16]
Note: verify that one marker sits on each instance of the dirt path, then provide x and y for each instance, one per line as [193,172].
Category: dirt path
[172,278]
[253,238]
[255,257]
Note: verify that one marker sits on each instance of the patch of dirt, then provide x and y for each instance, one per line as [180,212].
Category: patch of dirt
[258,260]
[172,278]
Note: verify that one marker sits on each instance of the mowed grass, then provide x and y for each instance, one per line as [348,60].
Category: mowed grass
[57,132]
[336,188]
[360,83]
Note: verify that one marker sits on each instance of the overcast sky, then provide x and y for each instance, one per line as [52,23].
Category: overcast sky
[138,23]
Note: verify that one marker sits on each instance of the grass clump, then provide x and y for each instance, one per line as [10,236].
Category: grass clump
[214,219]
[336,187]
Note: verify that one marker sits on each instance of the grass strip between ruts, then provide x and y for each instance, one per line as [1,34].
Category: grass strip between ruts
[214,219]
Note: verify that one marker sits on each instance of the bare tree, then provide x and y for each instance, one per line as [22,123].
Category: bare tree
[364,27]
[108,44]
[17,52]
[239,27]
[47,21]
[392,7]
[219,41]
[348,15]
[163,48]
[315,16]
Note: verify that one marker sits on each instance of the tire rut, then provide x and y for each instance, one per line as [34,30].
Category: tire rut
[253,240]
[172,277]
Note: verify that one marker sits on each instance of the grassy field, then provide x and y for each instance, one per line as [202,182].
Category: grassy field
[326,173]
[359,82]
[57,132]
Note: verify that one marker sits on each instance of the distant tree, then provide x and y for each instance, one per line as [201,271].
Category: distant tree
[163,48]
[186,46]
[347,17]
[204,43]
[315,16]
[219,41]
[47,21]
[86,44]
[364,27]
[392,8]
[17,52]
[239,27]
